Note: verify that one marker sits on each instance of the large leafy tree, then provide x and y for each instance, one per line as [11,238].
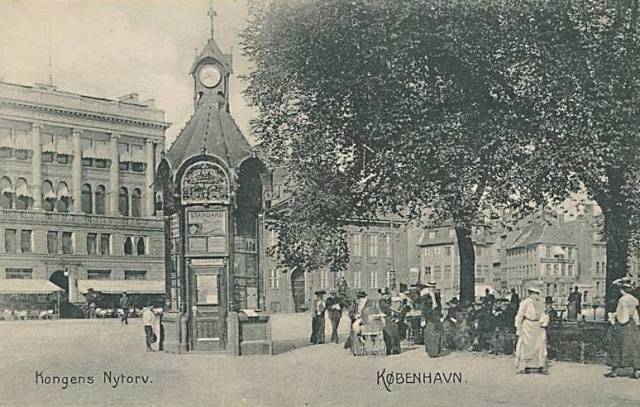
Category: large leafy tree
[463,107]
[583,59]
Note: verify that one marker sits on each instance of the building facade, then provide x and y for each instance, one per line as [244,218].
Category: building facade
[76,193]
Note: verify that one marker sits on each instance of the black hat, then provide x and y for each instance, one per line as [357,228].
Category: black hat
[361,294]
[454,300]
[383,291]
[320,292]
[548,299]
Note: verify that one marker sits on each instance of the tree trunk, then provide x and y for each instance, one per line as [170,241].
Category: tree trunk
[617,233]
[467,264]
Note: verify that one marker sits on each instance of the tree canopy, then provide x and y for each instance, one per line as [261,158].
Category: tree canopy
[464,107]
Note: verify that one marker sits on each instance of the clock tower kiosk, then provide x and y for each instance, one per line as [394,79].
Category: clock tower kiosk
[209,186]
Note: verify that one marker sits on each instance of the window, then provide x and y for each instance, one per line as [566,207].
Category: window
[548,251]
[136,203]
[87,199]
[570,270]
[67,242]
[452,232]
[123,202]
[478,251]
[23,196]
[98,274]
[391,278]
[52,242]
[437,273]
[274,281]
[140,246]
[447,272]
[432,235]
[447,251]
[62,194]
[10,240]
[48,196]
[324,278]
[92,243]
[128,246]
[597,267]
[207,288]
[373,278]
[357,245]
[6,193]
[100,200]
[356,278]
[389,246]
[25,241]
[18,274]
[373,246]
[135,274]
[105,243]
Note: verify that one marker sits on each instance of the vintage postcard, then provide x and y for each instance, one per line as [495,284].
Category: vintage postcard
[319,203]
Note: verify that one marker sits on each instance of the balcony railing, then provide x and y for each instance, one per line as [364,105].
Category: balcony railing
[78,219]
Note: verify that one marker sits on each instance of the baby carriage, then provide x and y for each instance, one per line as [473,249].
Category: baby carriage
[368,332]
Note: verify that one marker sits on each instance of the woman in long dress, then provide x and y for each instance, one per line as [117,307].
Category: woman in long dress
[625,347]
[432,322]
[530,323]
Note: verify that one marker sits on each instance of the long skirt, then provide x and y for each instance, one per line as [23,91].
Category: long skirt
[317,329]
[625,346]
[434,338]
[531,348]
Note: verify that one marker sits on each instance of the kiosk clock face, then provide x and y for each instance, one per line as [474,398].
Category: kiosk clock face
[209,76]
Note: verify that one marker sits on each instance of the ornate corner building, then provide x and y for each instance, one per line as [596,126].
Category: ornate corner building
[76,195]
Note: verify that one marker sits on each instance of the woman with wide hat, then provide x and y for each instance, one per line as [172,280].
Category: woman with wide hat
[531,322]
[625,346]
[431,320]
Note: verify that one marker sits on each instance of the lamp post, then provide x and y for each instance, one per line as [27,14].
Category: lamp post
[596,300]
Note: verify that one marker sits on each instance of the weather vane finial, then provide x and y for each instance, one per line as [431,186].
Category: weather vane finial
[212,13]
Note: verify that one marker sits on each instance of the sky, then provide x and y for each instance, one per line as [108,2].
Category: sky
[110,48]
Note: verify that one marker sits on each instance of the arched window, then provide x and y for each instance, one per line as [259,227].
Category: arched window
[23,196]
[123,202]
[63,199]
[48,196]
[100,200]
[6,193]
[128,246]
[136,203]
[140,246]
[87,199]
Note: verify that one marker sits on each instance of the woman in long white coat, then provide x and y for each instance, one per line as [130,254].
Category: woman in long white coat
[530,323]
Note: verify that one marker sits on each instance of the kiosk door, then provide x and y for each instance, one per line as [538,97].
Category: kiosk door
[209,308]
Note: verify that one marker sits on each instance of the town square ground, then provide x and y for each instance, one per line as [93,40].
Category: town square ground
[35,352]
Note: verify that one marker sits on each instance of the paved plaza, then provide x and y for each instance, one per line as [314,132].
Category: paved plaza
[323,375]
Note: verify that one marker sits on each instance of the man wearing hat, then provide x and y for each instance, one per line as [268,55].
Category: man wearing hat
[391,339]
[625,346]
[354,314]
[124,304]
[335,312]
[530,323]
[317,319]
[575,304]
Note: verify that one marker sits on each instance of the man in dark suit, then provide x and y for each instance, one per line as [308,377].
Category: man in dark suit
[335,313]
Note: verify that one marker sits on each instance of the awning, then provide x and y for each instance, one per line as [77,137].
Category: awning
[556,251]
[102,150]
[119,286]
[137,154]
[11,286]
[63,146]
[49,147]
